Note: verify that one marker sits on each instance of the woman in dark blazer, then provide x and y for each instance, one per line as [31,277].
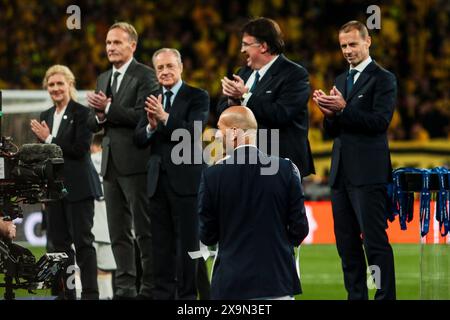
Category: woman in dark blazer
[70,219]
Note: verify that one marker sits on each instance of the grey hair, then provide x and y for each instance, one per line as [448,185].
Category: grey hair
[175,52]
[128,28]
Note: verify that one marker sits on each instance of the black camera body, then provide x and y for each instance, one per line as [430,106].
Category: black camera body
[31,174]
[22,271]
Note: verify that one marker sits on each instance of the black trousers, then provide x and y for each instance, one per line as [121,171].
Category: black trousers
[71,222]
[359,214]
[175,233]
[127,211]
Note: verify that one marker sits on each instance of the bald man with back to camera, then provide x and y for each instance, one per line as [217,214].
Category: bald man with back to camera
[257,216]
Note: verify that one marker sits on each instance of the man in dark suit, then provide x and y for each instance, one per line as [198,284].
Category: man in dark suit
[173,175]
[358,121]
[70,220]
[276,90]
[117,107]
[257,218]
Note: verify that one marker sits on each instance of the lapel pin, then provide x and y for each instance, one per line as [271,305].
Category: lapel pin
[64,117]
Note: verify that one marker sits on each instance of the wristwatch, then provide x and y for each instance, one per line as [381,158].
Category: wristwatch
[246,95]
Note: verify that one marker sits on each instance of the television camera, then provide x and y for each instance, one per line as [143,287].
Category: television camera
[28,175]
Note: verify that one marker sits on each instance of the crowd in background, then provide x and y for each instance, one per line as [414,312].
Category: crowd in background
[412,43]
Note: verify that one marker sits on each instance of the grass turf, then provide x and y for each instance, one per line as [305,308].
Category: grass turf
[321,273]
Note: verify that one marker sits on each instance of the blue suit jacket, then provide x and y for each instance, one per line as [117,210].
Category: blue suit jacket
[360,131]
[189,106]
[256,220]
[280,101]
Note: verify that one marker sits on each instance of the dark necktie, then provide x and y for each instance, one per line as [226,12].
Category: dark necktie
[255,82]
[114,84]
[350,80]
[167,104]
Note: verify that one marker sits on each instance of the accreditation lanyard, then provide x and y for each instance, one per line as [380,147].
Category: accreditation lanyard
[402,201]
[442,214]
[425,197]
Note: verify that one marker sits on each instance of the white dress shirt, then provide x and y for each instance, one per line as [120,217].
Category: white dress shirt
[122,71]
[251,79]
[176,87]
[360,68]
[57,118]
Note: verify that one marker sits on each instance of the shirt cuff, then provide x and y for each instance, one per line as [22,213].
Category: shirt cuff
[167,120]
[100,121]
[49,139]
[149,131]
[246,97]
[107,107]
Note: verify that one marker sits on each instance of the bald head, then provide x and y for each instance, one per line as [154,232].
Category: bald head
[237,126]
[238,117]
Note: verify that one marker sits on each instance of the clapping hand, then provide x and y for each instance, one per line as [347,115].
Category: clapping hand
[234,88]
[155,110]
[40,129]
[98,102]
[329,105]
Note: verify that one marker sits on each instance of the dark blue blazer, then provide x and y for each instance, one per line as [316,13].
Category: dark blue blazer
[80,178]
[190,108]
[280,101]
[360,131]
[256,220]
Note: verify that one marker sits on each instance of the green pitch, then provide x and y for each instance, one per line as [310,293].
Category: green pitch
[321,273]
[322,278]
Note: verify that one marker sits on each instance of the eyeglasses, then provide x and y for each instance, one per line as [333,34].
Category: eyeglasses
[246,45]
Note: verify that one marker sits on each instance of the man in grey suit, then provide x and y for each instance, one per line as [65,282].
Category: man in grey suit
[116,107]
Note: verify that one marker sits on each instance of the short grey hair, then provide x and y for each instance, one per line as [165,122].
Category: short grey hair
[175,52]
[128,28]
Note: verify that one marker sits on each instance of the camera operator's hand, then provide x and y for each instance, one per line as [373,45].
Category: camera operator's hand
[41,130]
[7,229]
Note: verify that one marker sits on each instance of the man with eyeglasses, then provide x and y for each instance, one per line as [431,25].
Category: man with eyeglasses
[276,90]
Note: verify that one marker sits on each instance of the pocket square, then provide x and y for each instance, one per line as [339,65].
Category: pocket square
[270,91]
[360,96]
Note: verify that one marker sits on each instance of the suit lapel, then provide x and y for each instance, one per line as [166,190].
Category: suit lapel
[362,79]
[126,79]
[181,100]
[66,119]
[340,82]
[264,83]
[270,74]
[49,119]
[245,73]
[104,82]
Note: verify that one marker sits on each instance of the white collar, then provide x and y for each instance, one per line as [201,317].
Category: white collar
[176,87]
[63,110]
[266,67]
[362,65]
[123,68]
